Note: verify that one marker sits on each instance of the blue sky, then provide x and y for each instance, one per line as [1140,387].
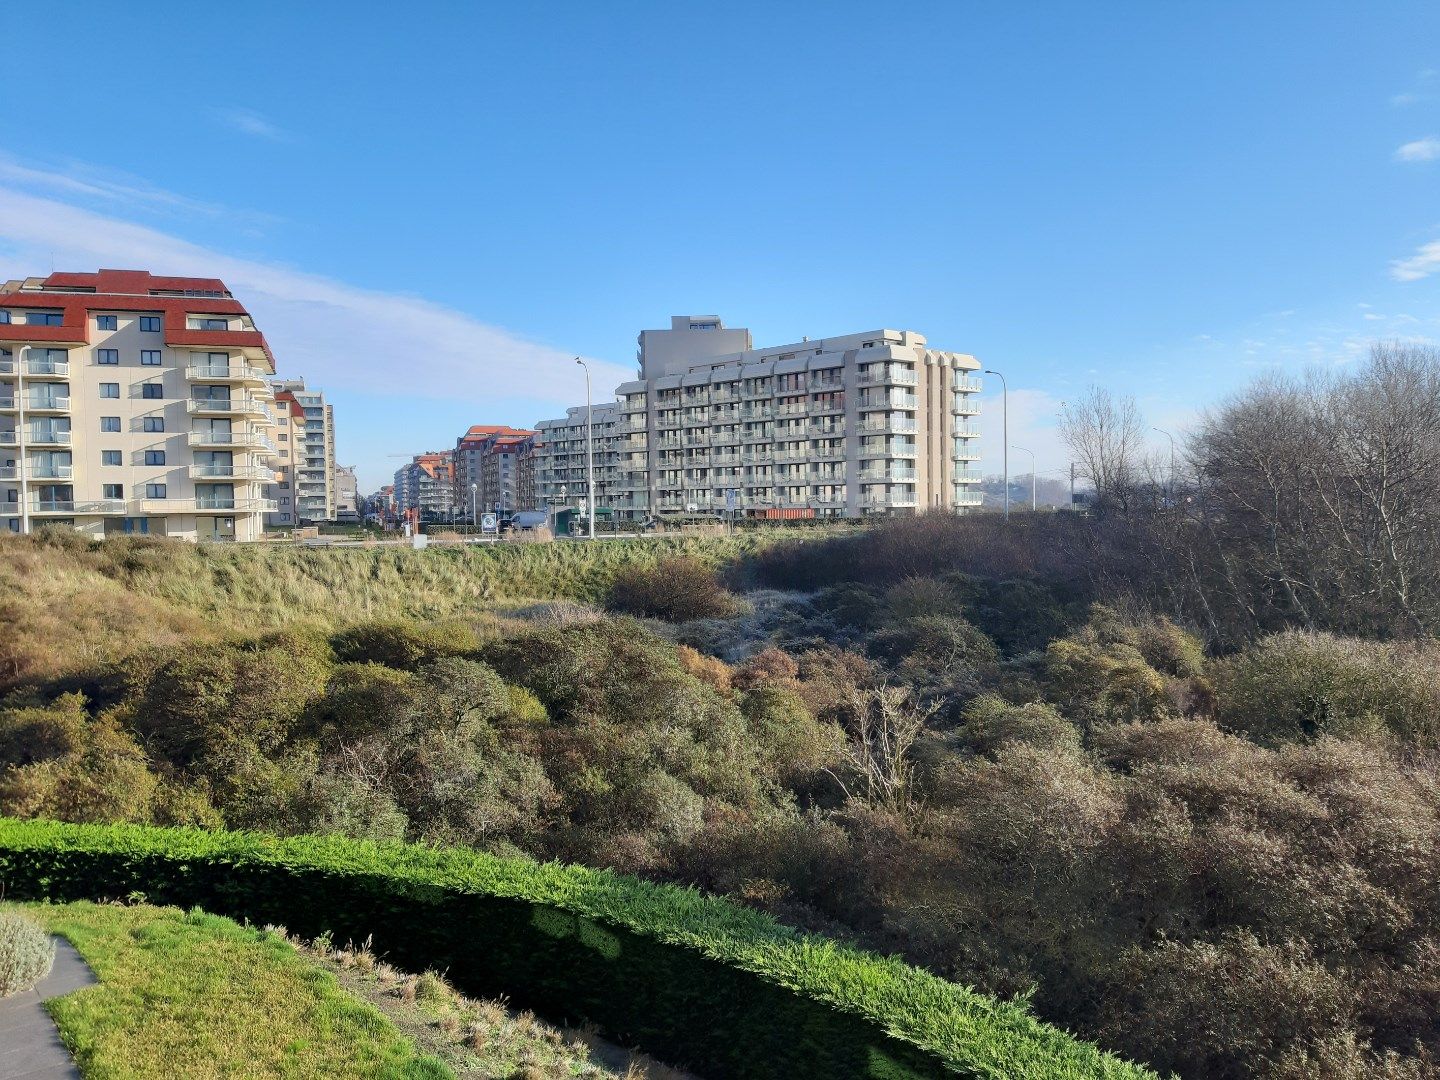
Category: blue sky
[430,210]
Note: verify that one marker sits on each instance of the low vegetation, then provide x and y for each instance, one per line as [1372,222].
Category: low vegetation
[26,952]
[194,994]
[666,967]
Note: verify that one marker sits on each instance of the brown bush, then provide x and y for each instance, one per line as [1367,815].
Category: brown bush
[675,589]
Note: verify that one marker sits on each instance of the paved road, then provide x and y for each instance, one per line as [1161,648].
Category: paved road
[30,1047]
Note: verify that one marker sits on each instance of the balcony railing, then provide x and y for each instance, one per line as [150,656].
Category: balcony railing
[224,373]
[46,367]
[232,472]
[964,408]
[210,504]
[46,437]
[234,406]
[69,506]
[962,382]
[967,498]
[231,438]
[56,403]
[892,377]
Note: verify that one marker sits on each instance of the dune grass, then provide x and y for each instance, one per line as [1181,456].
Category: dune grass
[196,995]
[71,604]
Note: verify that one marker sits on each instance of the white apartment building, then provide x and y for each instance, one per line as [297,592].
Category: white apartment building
[560,466]
[311,461]
[870,423]
[133,404]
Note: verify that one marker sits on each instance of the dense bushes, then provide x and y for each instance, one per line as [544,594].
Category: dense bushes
[26,952]
[726,990]
[675,589]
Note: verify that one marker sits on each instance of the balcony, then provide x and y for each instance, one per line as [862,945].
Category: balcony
[800,409]
[229,373]
[757,412]
[210,504]
[51,404]
[965,476]
[891,377]
[249,439]
[69,506]
[44,368]
[46,437]
[234,406]
[257,473]
[49,472]
[888,423]
[721,397]
[892,499]
[965,455]
[965,408]
[883,476]
[964,431]
[752,392]
[960,382]
[967,498]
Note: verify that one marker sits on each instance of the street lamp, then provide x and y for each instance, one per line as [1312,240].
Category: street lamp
[589,450]
[1032,475]
[474,516]
[1172,460]
[1004,433]
[20,437]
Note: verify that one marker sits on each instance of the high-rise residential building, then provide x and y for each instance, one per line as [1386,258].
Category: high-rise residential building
[527,497]
[424,489]
[133,404]
[870,423]
[289,423]
[561,466]
[473,456]
[313,452]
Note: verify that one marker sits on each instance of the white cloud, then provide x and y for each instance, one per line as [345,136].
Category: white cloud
[1372,317]
[1426,149]
[1033,417]
[1400,101]
[1422,264]
[250,122]
[335,334]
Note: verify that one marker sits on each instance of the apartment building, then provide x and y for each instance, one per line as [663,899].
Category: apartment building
[312,457]
[288,422]
[424,490]
[560,466]
[869,423]
[485,468]
[527,496]
[347,494]
[133,404]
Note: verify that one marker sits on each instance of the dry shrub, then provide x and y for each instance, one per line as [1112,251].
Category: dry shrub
[710,670]
[675,589]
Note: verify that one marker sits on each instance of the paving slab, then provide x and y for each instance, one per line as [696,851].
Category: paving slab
[30,1046]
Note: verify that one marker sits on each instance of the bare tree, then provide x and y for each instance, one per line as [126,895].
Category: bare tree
[884,722]
[1106,438]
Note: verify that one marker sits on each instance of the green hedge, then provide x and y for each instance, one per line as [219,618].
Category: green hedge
[692,979]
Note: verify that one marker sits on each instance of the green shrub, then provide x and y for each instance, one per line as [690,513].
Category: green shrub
[990,723]
[675,589]
[26,952]
[1298,685]
[404,645]
[727,990]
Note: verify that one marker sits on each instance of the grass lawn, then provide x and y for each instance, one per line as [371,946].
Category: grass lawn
[198,996]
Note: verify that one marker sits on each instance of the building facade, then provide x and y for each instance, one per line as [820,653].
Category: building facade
[870,423]
[560,466]
[312,455]
[424,489]
[485,469]
[347,494]
[133,404]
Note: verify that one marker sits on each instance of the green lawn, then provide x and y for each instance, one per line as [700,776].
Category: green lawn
[198,996]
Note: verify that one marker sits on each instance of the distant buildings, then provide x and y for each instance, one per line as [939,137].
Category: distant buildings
[487,469]
[347,495]
[424,488]
[869,423]
[133,404]
[311,458]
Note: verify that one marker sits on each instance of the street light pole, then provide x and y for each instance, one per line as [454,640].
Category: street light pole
[1032,475]
[20,437]
[589,449]
[474,513]
[1004,433]
[1172,461]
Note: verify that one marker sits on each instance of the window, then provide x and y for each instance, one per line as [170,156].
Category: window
[284,485]
[44,318]
[283,517]
[152,390]
[150,357]
[214,324]
[113,491]
[4,317]
[155,491]
[109,423]
[154,457]
[110,457]
[152,423]
[284,438]
[108,356]
[110,389]
[106,322]
[150,324]
[140,526]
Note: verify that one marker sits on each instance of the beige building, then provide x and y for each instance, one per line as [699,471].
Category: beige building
[133,404]
[310,461]
[871,423]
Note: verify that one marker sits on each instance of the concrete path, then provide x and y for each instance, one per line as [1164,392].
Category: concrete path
[30,1047]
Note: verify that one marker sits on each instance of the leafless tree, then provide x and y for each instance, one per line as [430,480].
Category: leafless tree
[884,722]
[1106,438]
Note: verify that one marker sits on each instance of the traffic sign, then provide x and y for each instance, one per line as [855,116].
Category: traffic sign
[487,522]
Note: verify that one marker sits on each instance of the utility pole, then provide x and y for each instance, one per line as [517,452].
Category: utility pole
[1004,433]
[474,512]
[589,450]
[1032,475]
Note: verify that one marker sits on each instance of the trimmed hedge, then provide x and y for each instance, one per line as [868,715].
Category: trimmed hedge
[691,979]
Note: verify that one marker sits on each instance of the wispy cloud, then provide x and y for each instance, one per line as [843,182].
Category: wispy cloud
[1422,264]
[1426,149]
[250,122]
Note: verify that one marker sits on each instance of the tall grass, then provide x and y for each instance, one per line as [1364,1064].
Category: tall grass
[69,604]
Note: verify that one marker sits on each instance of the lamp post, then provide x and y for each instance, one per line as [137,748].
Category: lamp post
[1172,460]
[589,452]
[1004,433]
[1032,475]
[474,515]
[20,437]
